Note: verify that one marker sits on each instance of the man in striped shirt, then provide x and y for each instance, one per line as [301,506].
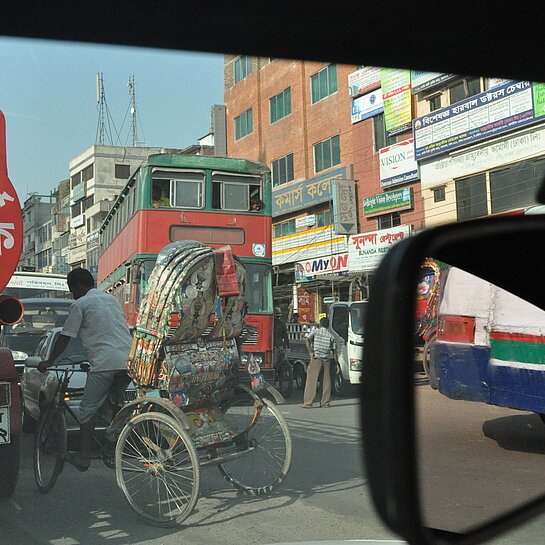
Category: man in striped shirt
[321,346]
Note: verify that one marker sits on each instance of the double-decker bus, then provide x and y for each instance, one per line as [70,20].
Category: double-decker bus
[217,201]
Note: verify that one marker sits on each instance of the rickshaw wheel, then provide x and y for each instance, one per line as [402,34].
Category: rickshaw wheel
[157,468]
[264,432]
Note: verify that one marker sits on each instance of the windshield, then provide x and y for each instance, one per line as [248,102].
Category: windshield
[357,317]
[258,291]
[360,158]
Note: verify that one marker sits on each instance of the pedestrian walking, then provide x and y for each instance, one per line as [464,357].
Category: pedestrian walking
[321,346]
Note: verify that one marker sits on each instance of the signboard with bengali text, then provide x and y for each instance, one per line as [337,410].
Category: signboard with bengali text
[396,94]
[422,81]
[363,80]
[295,196]
[502,109]
[397,200]
[366,250]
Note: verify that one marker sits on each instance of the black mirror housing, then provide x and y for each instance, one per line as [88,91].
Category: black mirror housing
[387,392]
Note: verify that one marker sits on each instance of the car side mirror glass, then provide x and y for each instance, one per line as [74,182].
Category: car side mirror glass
[453,396]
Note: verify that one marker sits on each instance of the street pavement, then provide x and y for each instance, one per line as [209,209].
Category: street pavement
[324,497]
[476,461]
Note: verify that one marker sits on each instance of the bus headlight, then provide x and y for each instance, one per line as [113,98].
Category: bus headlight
[355,364]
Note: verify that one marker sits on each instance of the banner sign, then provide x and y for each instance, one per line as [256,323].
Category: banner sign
[307,270]
[400,199]
[487,156]
[507,107]
[396,94]
[363,80]
[345,208]
[305,221]
[366,250]
[367,106]
[397,164]
[421,81]
[296,196]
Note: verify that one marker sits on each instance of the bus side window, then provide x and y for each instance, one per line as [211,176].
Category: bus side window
[160,192]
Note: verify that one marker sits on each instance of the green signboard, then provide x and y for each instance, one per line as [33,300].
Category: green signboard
[391,201]
[396,94]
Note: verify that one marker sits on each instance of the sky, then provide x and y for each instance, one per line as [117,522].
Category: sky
[48,96]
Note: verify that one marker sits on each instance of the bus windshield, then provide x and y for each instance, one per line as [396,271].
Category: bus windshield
[259,289]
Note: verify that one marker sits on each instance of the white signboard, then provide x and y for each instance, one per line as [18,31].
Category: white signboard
[500,152]
[307,270]
[367,106]
[366,250]
[363,80]
[421,80]
[397,164]
[305,221]
[37,283]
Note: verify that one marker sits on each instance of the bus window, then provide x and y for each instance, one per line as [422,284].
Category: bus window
[188,193]
[231,192]
[160,191]
[259,288]
[142,278]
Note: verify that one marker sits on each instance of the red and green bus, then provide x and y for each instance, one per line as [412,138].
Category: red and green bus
[213,200]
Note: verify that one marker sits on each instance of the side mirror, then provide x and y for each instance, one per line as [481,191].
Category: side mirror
[455,452]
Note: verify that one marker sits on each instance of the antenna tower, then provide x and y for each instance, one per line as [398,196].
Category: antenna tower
[135,120]
[105,121]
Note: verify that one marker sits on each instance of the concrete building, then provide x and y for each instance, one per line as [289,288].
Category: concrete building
[96,177]
[60,213]
[480,146]
[294,116]
[37,233]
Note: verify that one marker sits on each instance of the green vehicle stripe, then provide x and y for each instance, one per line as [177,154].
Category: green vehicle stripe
[523,352]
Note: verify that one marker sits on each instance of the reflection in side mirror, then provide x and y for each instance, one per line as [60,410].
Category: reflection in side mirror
[480,400]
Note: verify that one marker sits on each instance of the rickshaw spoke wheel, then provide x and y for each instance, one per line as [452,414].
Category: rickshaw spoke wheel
[266,437]
[158,469]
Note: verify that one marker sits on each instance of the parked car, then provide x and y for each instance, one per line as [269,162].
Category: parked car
[38,388]
[40,314]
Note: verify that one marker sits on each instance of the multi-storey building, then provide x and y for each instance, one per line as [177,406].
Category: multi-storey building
[294,116]
[36,251]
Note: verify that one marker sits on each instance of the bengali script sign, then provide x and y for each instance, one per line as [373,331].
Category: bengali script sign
[397,164]
[421,81]
[400,199]
[299,195]
[366,250]
[363,80]
[345,207]
[396,94]
[506,107]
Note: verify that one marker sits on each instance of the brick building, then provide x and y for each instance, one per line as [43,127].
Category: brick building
[294,116]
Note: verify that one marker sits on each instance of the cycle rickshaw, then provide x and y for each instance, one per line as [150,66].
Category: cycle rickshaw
[191,410]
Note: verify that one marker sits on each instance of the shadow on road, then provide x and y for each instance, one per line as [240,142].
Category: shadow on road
[89,509]
[523,433]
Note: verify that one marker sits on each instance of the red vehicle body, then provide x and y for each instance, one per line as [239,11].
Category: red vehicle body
[205,199]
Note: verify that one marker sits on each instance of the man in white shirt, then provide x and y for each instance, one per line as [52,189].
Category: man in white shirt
[97,319]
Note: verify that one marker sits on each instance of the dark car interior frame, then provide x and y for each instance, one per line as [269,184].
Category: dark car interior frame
[466,40]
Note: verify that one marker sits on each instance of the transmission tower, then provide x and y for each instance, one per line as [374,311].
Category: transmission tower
[105,121]
[135,119]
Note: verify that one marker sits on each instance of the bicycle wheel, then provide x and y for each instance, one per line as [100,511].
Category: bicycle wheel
[49,447]
[158,469]
[264,432]
[284,378]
